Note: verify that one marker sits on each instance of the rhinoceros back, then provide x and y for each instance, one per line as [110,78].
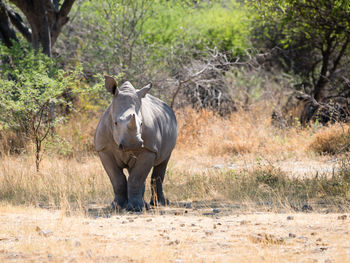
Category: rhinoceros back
[159,127]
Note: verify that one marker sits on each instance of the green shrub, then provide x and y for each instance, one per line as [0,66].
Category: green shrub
[33,93]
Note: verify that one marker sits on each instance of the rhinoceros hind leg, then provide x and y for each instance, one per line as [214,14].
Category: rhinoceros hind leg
[157,185]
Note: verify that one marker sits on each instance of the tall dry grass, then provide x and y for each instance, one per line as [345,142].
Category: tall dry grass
[60,182]
[72,176]
[243,134]
[333,139]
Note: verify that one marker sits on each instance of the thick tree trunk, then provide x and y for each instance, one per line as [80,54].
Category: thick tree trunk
[45,18]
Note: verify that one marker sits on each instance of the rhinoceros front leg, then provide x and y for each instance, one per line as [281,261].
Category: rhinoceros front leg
[157,184]
[117,178]
[136,181]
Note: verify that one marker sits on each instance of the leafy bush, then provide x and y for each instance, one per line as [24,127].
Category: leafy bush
[33,93]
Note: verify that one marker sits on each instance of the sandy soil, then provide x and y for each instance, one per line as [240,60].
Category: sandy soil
[172,235]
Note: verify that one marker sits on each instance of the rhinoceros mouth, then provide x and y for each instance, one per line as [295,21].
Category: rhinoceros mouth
[132,148]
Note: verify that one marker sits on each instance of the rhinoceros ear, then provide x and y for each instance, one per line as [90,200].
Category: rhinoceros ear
[142,92]
[111,85]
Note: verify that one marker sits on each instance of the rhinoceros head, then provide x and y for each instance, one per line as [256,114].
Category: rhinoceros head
[125,114]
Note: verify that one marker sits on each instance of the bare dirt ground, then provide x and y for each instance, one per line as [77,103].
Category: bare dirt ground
[174,234]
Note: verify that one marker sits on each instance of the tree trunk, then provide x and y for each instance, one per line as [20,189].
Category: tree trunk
[45,18]
[7,34]
[323,79]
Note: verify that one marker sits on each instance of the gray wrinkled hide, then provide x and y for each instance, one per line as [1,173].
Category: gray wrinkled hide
[136,132]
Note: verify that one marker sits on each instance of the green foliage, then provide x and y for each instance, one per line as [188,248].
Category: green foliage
[313,37]
[30,82]
[203,25]
[33,92]
[140,37]
[312,20]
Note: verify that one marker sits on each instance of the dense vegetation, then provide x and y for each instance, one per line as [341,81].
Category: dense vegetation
[217,54]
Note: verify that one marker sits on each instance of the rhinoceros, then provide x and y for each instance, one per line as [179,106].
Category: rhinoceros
[136,132]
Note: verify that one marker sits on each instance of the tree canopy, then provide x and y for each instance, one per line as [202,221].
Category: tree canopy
[319,27]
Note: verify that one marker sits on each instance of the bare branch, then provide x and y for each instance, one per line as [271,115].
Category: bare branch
[65,9]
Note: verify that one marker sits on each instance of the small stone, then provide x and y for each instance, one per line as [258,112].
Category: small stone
[182,225]
[188,205]
[193,224]
[218,166]
[319,239]
[244,222]
[149,220]
[77,244]
[209,233]
[45,233]
[313,234]
[176,242]
[306,208]
[290,217]
[214,226]
[216,210]
[342,217]
[177,213]
[292,235]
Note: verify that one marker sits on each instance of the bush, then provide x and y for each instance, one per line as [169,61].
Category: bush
[33,93]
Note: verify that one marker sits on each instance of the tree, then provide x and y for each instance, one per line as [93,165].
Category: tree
[318,31]
[45,18]
[30,83]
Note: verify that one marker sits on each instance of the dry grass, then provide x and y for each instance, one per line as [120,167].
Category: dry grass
[240,133]
[239,158]
[331,140]
[61,182]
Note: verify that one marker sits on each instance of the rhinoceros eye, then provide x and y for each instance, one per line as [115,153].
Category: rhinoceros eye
[116,123]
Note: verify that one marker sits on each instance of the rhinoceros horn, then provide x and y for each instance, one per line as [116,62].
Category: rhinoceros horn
[132,122]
